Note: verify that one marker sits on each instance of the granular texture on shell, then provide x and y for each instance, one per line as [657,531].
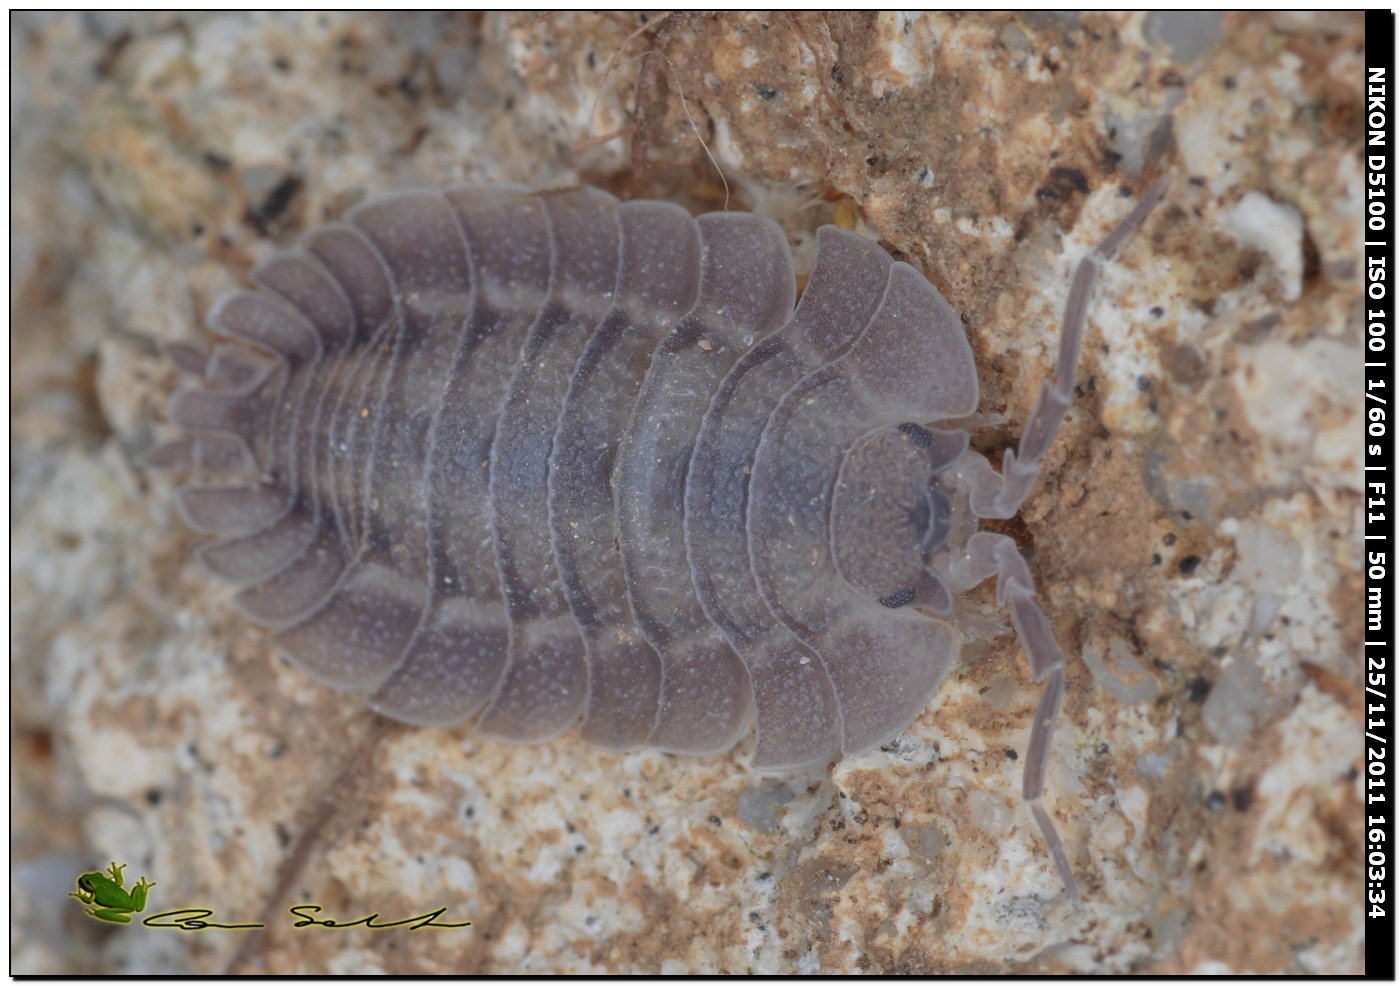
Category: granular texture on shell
[533,460]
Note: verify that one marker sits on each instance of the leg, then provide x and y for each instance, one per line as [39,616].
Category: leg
[1020,468]
[990,554]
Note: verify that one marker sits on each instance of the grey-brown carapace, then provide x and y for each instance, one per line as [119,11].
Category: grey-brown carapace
[530,459]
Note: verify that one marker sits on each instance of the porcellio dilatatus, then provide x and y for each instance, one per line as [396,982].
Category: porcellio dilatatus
[530,459]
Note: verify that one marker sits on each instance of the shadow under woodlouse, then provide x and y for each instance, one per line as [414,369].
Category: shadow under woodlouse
[534,458]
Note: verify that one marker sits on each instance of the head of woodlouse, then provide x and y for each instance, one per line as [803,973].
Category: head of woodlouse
[892,514]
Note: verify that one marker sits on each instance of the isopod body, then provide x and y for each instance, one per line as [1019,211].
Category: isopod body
[530,459]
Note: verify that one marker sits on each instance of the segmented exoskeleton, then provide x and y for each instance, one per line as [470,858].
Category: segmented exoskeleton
[529,458]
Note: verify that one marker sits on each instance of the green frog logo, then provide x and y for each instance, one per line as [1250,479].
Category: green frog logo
[106,891]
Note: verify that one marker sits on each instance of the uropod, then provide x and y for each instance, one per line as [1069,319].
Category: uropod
[533,460]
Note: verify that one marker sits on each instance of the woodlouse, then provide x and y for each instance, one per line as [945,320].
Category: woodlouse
[531,457]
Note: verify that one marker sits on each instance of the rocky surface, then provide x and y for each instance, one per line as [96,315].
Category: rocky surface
[1195,533]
